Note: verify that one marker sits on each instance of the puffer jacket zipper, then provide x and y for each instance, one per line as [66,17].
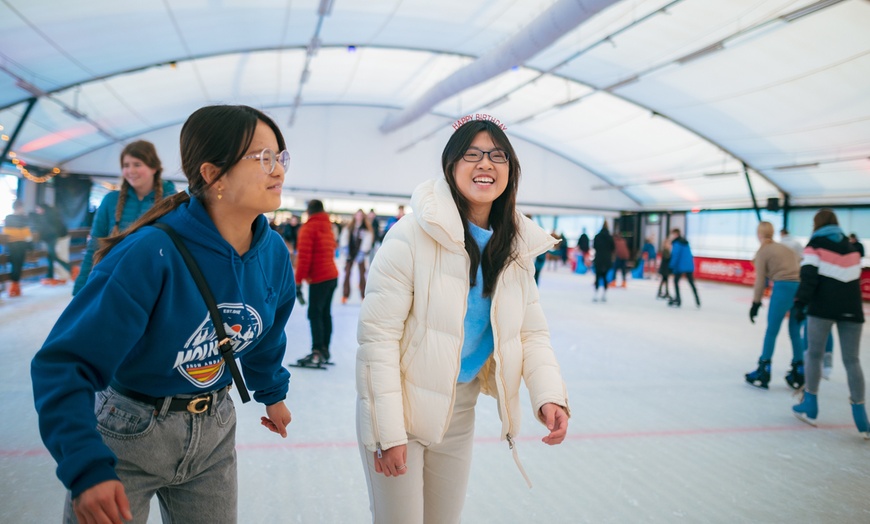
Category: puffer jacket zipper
[502,387]
[374,411]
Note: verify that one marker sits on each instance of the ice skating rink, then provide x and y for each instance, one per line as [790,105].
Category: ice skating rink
[663,427]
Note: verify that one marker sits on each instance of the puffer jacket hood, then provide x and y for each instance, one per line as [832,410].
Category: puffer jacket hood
[436,213]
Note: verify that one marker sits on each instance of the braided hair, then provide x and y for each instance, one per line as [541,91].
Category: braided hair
[144,151]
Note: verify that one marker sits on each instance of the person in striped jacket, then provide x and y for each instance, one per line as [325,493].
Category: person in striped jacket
[829,294]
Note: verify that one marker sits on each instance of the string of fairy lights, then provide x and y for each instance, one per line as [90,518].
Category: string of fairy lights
[21,165]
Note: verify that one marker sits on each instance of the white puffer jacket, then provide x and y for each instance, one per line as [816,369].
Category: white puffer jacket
[411,328]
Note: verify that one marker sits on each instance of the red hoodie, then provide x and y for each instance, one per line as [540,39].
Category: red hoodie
[315,245]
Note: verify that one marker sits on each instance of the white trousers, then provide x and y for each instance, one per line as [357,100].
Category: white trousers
[434,487]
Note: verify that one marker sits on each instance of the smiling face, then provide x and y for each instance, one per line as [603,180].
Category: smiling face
[138,175]
[246,186]
[481,182]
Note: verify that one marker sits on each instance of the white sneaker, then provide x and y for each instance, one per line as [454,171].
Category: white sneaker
[827,365]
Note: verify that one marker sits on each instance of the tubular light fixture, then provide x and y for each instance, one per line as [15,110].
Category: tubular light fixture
[622,83]
[30,88]
[701,53]
[808,10]
[797,166]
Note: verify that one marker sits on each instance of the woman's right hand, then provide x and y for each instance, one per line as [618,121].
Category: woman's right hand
[393,461]
[105,503]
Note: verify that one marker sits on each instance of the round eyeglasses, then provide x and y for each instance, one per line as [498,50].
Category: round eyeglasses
[496,156]
[269,159]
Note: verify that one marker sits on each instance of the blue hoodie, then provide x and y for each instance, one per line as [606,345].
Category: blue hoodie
[141,321]
[682,260]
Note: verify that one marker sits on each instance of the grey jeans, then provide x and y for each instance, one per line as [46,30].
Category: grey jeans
[188,460]
[850,346]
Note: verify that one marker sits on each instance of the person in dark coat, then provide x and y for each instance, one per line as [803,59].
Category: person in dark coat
[859,247]
[665,270]
[583,246]
[50,227]
[604,246]
[18,239]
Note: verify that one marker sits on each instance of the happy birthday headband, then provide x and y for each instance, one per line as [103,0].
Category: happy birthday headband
[478,116]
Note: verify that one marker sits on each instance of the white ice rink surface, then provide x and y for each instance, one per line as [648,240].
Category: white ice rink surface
[663,427]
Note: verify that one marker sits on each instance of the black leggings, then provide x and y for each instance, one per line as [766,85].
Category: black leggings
[601,276]
[320,314]
[17,253]
[691,278]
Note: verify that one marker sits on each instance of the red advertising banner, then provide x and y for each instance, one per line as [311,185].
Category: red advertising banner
[865,284]
[743,272]
[725,270]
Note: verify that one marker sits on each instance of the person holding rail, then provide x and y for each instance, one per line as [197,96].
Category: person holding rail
[140,338]
[451,311]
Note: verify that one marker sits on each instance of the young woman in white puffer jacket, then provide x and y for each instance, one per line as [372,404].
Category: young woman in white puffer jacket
[452,310]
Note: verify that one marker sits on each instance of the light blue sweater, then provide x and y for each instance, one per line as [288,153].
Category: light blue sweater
[478,343]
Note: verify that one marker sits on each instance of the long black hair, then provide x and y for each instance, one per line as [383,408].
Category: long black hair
[219,135]
[502,217]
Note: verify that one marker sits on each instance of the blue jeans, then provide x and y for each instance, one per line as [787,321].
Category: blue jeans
[781,301]
[188,460]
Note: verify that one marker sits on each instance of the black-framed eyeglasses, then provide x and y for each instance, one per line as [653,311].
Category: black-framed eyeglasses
[496,156]
[269,159]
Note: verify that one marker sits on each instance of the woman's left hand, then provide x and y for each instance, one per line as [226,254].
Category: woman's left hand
[556,421]
[278,416]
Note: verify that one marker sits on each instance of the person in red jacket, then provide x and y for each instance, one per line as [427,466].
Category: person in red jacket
[315,263]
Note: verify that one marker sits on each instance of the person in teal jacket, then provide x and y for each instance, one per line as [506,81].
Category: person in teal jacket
[141,188]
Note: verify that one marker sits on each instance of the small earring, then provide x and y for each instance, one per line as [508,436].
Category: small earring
[220,196]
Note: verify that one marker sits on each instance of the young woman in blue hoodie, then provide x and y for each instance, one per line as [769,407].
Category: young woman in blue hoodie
[140,338]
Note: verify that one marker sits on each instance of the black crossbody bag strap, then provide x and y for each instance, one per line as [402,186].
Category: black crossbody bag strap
[224,342]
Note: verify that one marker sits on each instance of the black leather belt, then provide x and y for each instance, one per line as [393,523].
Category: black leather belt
[197,404]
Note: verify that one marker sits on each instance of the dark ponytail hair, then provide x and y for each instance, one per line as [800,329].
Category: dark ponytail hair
[218,135]
[502,217]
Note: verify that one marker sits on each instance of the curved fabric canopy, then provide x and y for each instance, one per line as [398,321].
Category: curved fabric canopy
[639,105]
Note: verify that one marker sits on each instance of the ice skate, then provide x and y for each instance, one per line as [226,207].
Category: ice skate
[808,409]
[859,415]
[314,360]
[761,376]
[674,303]
[795,377]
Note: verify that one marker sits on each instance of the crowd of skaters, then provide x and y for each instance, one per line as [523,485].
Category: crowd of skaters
[313,245]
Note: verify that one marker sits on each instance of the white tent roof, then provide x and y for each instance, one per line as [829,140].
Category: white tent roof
[647,104]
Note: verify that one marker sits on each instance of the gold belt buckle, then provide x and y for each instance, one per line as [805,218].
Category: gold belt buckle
[198,405]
